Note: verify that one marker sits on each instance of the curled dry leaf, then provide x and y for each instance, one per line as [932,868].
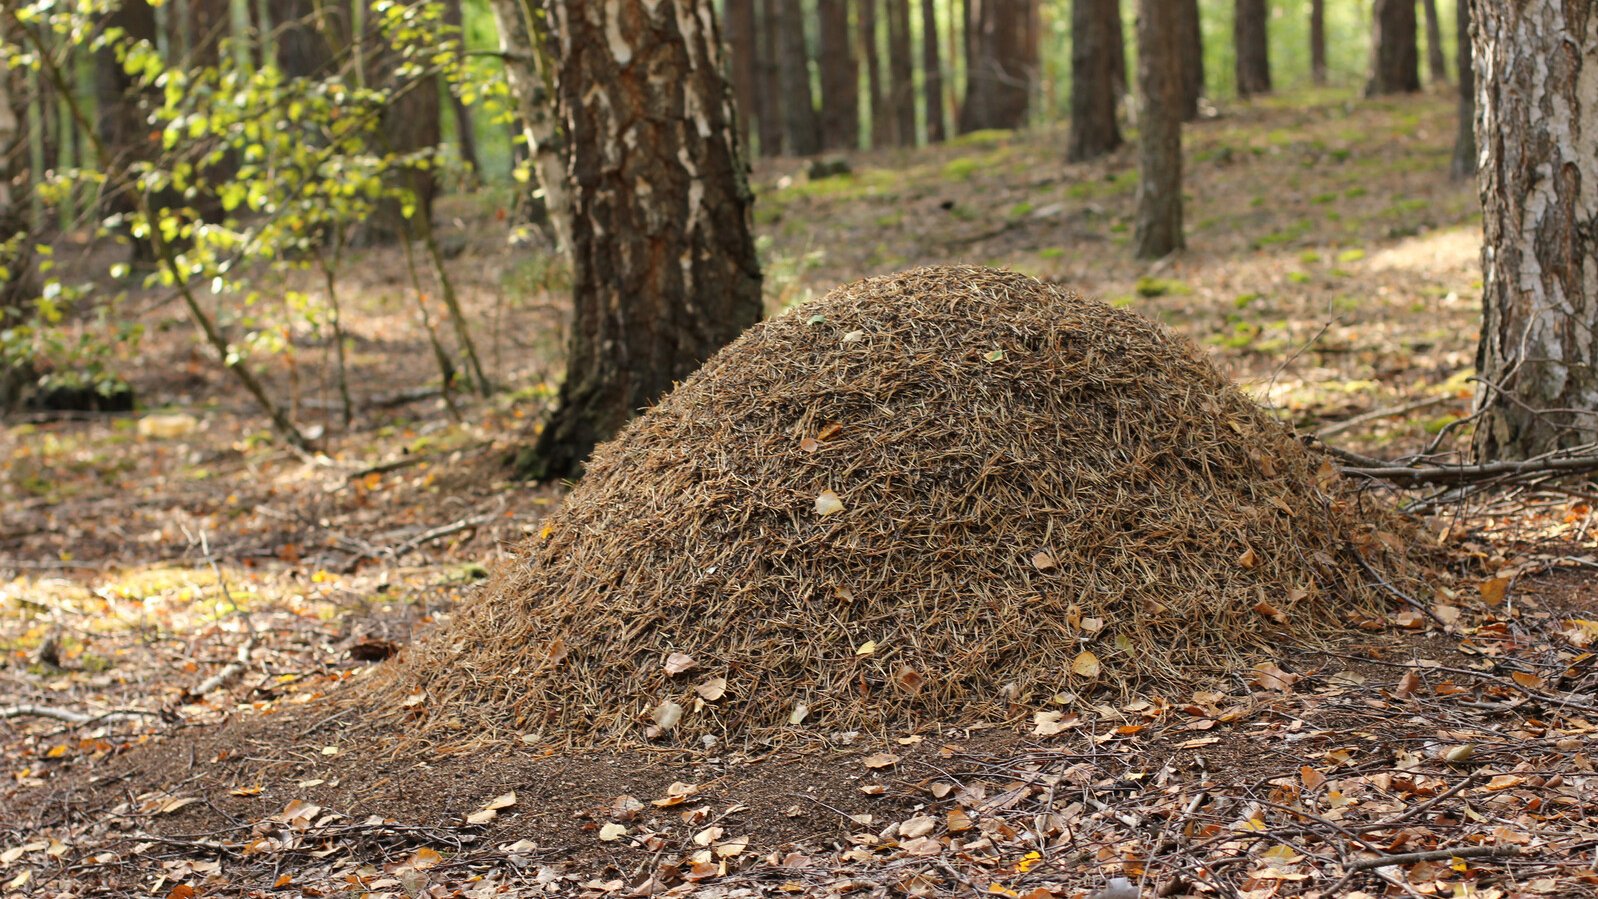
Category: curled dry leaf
[713,689]
[919,826]
[1047,724]
[799,713]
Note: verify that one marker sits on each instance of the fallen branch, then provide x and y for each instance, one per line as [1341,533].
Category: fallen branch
[1431,855]
[1349,424]
[72,717]
[229,671]
[1457,475]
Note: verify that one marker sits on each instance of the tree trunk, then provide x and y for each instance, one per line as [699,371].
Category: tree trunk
[524,39]
[17,276]
[1537,116]
[932,73]
[662,277]
[465,137]
[742,43]
[310,36]
[840,78]
[1159,72]
[1436,61]
[801,127]
[771,124]
[1123,82]
[1317,41]
[901,74]
[998,77]
[124,109]
[1464,163]
[1094,131]
[1395,56]
[1253,55]
[410,124]
[881,121]
[1190,33]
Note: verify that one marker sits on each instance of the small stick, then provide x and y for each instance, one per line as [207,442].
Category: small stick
[1404,858]
[229,671]
[71,717]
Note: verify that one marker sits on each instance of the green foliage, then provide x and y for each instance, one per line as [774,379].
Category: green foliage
[1159,287]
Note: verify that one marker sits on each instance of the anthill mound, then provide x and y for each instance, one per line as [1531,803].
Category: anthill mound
[938,495]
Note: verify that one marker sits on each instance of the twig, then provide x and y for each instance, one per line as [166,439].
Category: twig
[1349,424]
[229,671]
[1408,476]
[71,717]
[1404,858]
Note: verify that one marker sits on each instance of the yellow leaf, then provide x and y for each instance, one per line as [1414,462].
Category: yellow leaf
[1086,664]
[1248,559]
[828,503]
[612,832]
[1312,778]
[866,648]
[1494,590]
[245,791]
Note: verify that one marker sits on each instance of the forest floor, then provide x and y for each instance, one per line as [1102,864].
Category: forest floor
[171,570]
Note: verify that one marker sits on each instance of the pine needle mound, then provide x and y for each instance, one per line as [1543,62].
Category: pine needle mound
[940,495]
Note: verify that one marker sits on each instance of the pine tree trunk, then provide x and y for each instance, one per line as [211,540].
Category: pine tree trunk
[663,277]
[1536,119]
[801,127]
[932,74]
[1094,130]
[1395,54]
[17,277]
[1436,61]
[1190,33]
[742,43]
[901,74]
[1123,81]
[1464,162]
[528,71]
[998,76]
[771,98]
[124,108]
[840,78]
[1159,72]
[1317,41]
[1253,56]
[881,120]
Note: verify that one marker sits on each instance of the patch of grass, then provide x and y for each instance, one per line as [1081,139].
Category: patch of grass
[1245,300]
[1299,277]
[1051,253]
[1323,199]
[1160,287]
[1309,257]
[961,169]
[1020,210]
[1354,193]
[1295,231]
[1351,255]
[985,138]
[890,220]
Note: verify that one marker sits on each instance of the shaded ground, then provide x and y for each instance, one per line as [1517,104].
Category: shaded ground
[1332,268]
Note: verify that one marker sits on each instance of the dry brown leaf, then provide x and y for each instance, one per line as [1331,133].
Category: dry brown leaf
[881,760]
[1043,561]
[828,503]
[1086,664]
[678,662]
[713,689]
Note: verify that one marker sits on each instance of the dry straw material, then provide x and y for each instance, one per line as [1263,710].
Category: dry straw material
[941,495]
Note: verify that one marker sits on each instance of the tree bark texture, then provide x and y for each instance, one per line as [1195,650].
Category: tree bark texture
[932,74]
[1537,122]
[1317,42]
[743,41]
[1094,130]
[998,77]
[665,271]
[840,78]
[524,39]
[771,98]
[901,74]
[1159,193]
[1436,60]
[1191,35]
[1123,81]
[1395,53]
[1253,49]
[1464,162]
[17,277]
[801,126]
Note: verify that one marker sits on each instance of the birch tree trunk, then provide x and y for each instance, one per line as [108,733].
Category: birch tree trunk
[1159,193]
[1094,130]
[523,39]
[1537,122]
[664,269]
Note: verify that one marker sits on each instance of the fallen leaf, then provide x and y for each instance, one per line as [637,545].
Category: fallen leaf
[482,816]
[1455,755]
[1042,561]
[828,503]
[667,714]
[866,648]
[172,805]
[678,662]
[919,826]
[505,800]
[1267,676]
[1047,724]
[1408,684]
[713,689]
[1249,558]
[881,760]
[1271,612]
[246,791]
[425,858]
[829,430]
[1312,779]
[799,713]
[1086,664]
[1494,590]
[612,832]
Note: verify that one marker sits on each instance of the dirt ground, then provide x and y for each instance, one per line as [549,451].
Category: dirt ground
[198,595]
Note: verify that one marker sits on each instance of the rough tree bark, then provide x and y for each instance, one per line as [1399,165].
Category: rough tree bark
[998,79]
[1190,33]
[932,74]
[771,125]
[524,40]
[1464,162]
[901,74]
[840,78]
[664,270]
[801,127]
[1537,121]
[1159,192]
[1317,42]
[1395,54]
[1094,130]
[742,40]
[881,121]
[17,282]
[1252,39]
[1436,60]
